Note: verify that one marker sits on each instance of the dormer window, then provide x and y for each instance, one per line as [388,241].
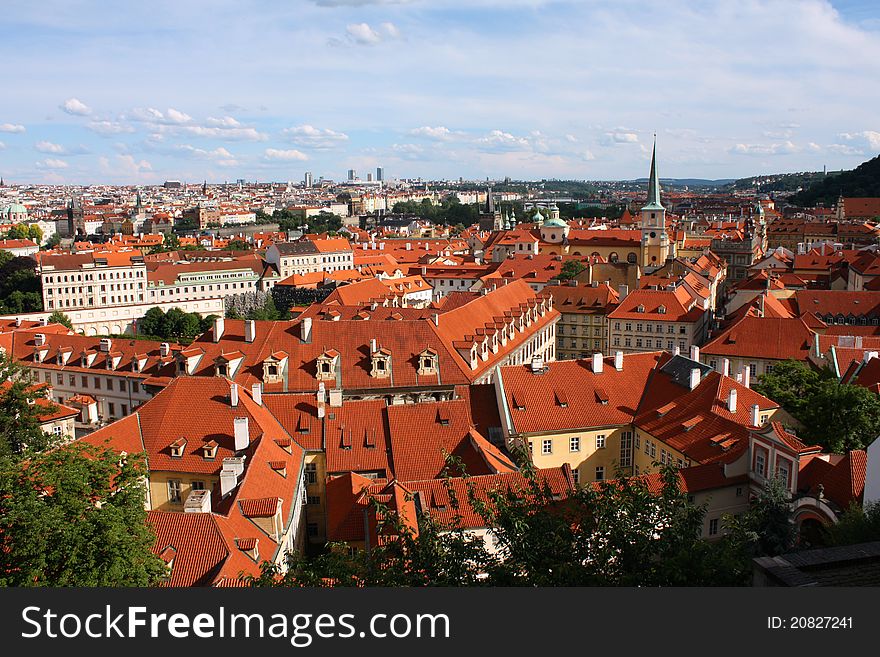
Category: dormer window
[177,448]
[640,309]
[222,369]
[661,310]
[326,365]
[209,450]
[381,363]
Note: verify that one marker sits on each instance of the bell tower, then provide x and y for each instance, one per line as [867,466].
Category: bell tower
[655,241]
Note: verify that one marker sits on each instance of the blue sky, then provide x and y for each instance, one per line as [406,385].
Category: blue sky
[266,90]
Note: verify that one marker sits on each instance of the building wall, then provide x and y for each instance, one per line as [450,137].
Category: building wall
[93,287]
[630,335]
[117,393]
[316,514]
[587,458]
[578,335]
[159,488]
[62,427]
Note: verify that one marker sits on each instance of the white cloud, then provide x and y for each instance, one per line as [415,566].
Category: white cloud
[311,137]
[571,139]
[76,107]
[126,166]
[106,128]
[51,163]
[227,134]
[224,122]
[845,149]
[870,137]
[11,127]
[152,115]
[784,148]
[187,150]
[498,140]
[284,155]
[440,133]
[2,146]
[49,147]
[619,137]
[364,35]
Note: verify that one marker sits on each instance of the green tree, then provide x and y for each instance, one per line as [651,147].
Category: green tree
[569,270]
[35,233]
[152,323]
[239,245]
[17,232]
[20,430]
[840,417]
[75,516]
[58,317]
[857,525]
[53,242]
[267,312]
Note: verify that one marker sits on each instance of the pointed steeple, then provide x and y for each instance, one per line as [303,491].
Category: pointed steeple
[490,202]
[654,182]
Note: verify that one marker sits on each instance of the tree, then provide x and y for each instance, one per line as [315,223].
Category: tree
[619,533]
[765,530]
[17,232]
[570,269]
[53,242]
[20,290]
[35,233]
[857,525]
[20,429]
[840,417]
[58,317]
[75,516]
[152,323]
[239,245]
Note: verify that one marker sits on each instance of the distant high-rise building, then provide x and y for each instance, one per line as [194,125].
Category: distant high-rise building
[380,174]
[307,180]
[352,175]
[369,177]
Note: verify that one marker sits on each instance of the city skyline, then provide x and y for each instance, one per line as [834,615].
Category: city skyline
[435,90]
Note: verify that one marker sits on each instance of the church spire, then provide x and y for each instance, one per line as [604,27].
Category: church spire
[654,181]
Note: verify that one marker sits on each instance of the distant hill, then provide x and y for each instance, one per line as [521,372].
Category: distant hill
[689,182]
[864,180]
[779,182]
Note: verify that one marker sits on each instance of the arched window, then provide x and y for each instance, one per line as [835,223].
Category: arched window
[632,258]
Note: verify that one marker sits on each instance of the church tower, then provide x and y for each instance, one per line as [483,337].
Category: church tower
[655,241]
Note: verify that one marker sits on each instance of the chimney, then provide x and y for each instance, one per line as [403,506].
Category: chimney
[198,501]
[622,291]
[40,339]
[250,330]
[322,393]
[537,364]
[305,328]
[17,322]
[336,398]
[618,361]
[756,410]
[746,376]
[725,367]
[228,481]
[242,436]
[869,355]
[105,344]
[436,318]
[676,350]
[44,321]
[233,395]
[257,393]
[695,353]
[164,349]
[598,363]
[409,246]
[373,346]
[219,324]
[695,378]
[731,400]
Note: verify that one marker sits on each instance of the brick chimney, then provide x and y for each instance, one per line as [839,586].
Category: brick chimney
[618,361]
[219,324]
[756,411]
[725,367]
[695,378]
[598,363]
[241,433]
[731,400]
[250,330]
[695,353]
[233,395]
[746,376]
[257,393]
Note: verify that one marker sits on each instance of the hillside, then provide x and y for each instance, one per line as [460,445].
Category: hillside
[779,182]
[864,180]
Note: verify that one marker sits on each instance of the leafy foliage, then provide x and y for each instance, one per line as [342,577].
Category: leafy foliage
[448,213]
[20,290]
[617,533]
[58,317]
[19,421]
[864,180]
[857,525]
[840,417]
[570,269]
[293,220]
[174,325]
[75,516]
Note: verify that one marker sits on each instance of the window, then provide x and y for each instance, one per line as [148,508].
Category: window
[121,385]
[111,409]
[312,529]
[174,491]
[760,463]
[56,430]
[600,472]
[600,441]
[638,441]
[574,444]
[713,527]
[739,491]
[97,383]
[626,449]
[311,473]
[313,500]
[783,471]
[197,485]
[576,475]
[653,450]
[547,446]
[753,369]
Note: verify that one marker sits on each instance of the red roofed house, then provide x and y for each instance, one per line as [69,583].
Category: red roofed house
[646,320]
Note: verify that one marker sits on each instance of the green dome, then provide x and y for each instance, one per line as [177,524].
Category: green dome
[15,208]
[555,223]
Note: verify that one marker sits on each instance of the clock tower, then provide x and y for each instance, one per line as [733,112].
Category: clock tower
[655,241]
